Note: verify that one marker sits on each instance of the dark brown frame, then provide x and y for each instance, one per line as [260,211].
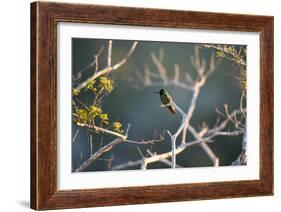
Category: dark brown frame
[44,18]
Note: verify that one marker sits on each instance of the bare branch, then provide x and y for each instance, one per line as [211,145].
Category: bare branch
[109,68]
[242,158]
[203,74]
[109,53]
[91,144]
[163,156]
[120,138]
[174,136]
[143,165]
[197,87]
[177,73]
[74,137]
[143,142]
[109,164]
[93,63]
[231,55]
[147,77]
[200,139]
[127,164]
[96,155]
[165,161]
[102,130]
[161,78]
[161,69]
[204,145]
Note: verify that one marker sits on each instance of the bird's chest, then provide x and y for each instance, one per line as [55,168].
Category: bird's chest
[165,99]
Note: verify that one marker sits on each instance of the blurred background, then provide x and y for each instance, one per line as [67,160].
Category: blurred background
[139,106]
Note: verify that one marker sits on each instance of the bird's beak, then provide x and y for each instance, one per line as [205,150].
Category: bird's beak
[156,92]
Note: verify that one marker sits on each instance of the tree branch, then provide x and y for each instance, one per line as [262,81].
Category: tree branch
[109,53]
[161,78]
[210,134]
[231,55]
[102,130]
[108,69]
[120,138]
[174,136]
[203,76]
[242,158]
[95,156]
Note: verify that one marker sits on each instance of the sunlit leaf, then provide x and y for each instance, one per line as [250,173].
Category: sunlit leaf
[219,53]
[90,85]
[117,126]
[106,83]
[94,111]
[75,92]
[104,116]
[82,115]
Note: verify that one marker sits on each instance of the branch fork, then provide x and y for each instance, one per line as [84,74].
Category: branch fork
[177,133]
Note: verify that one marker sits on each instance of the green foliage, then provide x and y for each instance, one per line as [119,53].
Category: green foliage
[117,126]
[94,111]
[86,116]
[75,92]
[238,57]
[219,53]
[82,115]
[94,114]
[106,83]
[104,118]
[229,49]
[103,83]
[90,86]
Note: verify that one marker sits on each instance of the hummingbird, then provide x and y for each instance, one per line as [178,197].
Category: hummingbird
[166,99]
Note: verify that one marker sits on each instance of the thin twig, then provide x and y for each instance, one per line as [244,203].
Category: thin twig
[109,68]
[161,78]
[204,145]
[143,166]
[242,157]
[233,56]
[120,138]
[91,144]
[74,137]
[197,88]
[79,73]
[97,154]
[179,149]
[212,133]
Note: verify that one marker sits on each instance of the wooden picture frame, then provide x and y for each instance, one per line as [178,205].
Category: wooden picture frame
[44,19]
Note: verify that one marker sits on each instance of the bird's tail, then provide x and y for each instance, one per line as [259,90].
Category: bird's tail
[172,109]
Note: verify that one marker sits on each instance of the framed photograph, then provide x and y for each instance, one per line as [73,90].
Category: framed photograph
[136,105]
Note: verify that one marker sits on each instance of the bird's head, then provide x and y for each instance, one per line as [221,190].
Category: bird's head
[161,92]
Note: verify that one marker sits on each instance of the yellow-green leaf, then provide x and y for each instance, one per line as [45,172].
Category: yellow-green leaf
[94,90]
[75,92]
[82,115]
[244,85]
[94,111]
[117,126]
[104,116]
[106,83]
[219,53]
[229,49]
[90,85]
